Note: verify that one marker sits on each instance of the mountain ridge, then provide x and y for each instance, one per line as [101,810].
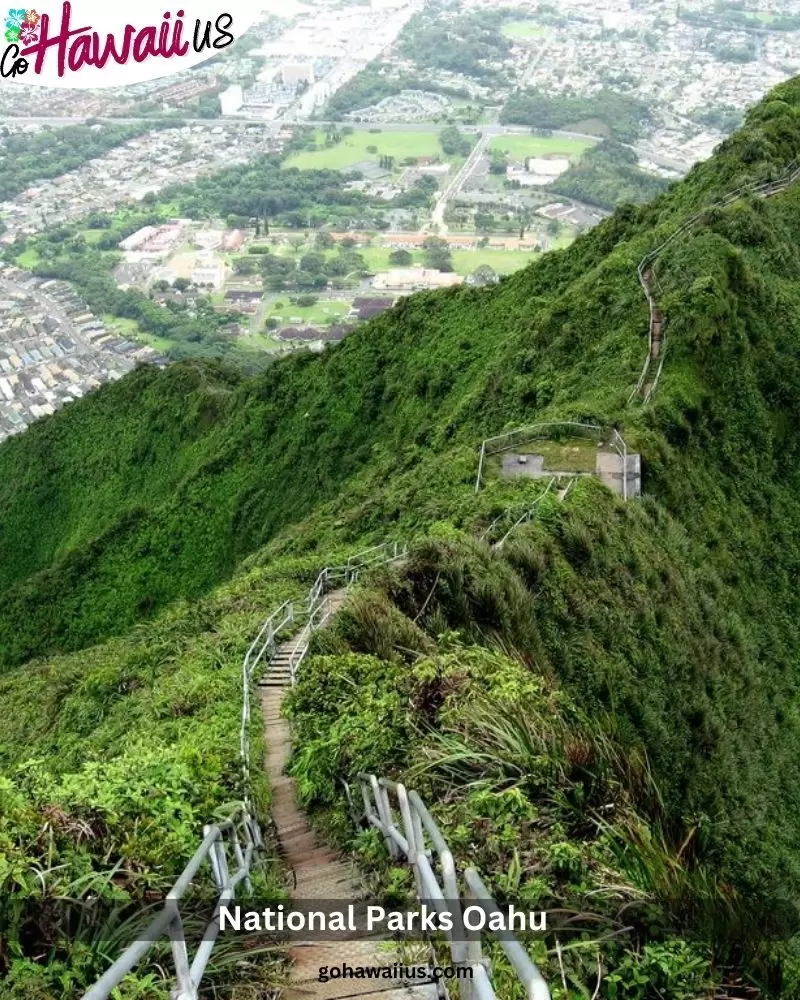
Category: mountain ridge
[188,498]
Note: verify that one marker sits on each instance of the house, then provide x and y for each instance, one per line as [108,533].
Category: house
[233,241]
[365,309]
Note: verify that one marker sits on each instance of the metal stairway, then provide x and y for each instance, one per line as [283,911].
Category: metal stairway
[231,846]
[316,871]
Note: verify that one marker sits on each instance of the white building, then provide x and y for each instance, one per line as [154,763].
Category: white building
[138,239]
[415,278]
[209,270]
[547,166]
[297,73]
[231,100]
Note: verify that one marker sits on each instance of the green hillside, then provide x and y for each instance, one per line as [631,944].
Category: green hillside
[146,529]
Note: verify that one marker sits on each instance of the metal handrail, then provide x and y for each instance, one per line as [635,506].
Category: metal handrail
[531,432]
[766,188]
[520,960]
[421,844]
[240,831]
[263,644]
[317,609]
[527,515]
[509,438]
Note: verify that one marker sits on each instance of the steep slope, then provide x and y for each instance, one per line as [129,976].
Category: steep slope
[674,620]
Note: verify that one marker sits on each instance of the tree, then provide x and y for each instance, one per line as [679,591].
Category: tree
[400,258]
[498,164]
[484,275]
[336,267]
[181,284]
[324,241]
[453,143]
[312,262]
[524,217]
[484,221]
[245,265]
[437,254]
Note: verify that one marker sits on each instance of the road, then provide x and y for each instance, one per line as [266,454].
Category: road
[244,121]
[452,189]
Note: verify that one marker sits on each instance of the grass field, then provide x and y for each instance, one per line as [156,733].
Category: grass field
[353,149]
[92,236]
[130,328]
[261,342]
[520,30]
[317,315]
[29,259]
[503,261]
[377,258]
[464,261]
[519,147]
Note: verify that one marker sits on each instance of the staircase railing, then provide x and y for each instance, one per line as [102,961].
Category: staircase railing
[533,432]
[238,834]
[317,607]
[767,189]
[262,646]
[528,515]
[235,840]
[419,841]
[520,435]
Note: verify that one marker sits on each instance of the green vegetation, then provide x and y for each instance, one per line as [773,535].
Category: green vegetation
[376,82]
[501,261]
[520,147]
[357,148]
[263,190]
[469,44]
[523,30]
[603,711]
[731,15]
[190,328]
[455,143]
[112,760]
[28,157]
[619,115]
[317,313]
[608,176]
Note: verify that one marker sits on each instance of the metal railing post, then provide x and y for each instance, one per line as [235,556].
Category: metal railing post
[465,945]
[186,990]
[212,860]
[480,468]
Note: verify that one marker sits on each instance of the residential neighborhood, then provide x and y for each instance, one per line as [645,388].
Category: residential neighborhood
[53,349]
[449,181]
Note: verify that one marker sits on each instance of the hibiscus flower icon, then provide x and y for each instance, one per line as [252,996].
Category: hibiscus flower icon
[15,19]
[13,24]
[28,35]
[32,18]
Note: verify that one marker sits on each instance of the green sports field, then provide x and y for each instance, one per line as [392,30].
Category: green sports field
[353,149]
[519,147]
[521,30]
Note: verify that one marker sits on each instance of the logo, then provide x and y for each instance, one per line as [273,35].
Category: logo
[87,45]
